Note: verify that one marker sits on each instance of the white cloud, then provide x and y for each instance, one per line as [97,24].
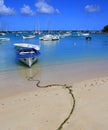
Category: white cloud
[26,10]
[44,7]
[92,8]
[4,10]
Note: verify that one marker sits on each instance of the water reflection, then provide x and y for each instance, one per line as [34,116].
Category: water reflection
[29,72]
[49,42]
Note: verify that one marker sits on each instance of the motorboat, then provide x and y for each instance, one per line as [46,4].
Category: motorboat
[28,36]
[88,38]
[28,56]
[55,37]
[85,34]
[47,37]
[2,34]
[4,39]
[68,33]
[27,53]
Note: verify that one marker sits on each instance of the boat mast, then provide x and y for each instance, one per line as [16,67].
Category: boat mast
[49,24]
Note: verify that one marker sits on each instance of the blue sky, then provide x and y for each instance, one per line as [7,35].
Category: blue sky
[53,14]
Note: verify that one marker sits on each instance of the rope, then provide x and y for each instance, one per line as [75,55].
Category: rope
[70,92]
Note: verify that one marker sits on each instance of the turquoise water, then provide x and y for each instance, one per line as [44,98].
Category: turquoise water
[66,50]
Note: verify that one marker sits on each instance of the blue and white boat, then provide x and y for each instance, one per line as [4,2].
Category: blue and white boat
[28,56]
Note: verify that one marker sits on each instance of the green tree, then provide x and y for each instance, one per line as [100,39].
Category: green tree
[105,29]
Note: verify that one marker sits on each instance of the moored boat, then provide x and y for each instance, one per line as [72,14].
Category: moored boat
[28,56]
[88,38]
[55,37]
[46,37]
[49,37]
[85,34]
[4,39]
[28,36]
[27,53]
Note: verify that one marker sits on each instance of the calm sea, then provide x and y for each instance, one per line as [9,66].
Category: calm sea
[66,50]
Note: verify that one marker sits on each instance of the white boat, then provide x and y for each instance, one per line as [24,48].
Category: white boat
[46,37]
[4,39]
[28,56]
[2,33]
[85,34]
[26,45]
[49,37]
[55,37]
[68,33]
[28,36]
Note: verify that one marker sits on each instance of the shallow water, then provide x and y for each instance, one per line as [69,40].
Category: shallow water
[66,50]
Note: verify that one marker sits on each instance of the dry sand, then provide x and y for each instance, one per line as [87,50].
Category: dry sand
[23,106]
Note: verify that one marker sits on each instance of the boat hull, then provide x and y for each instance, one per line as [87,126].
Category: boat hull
[4,39]
[28,61]
[28,37]
[28,56]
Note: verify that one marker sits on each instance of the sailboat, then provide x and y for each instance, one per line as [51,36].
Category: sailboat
[37,30]
[49,36]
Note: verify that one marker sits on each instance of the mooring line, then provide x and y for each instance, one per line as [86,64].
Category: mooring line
[70,92]
[72,109]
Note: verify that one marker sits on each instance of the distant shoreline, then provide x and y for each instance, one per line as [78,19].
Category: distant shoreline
[90,31]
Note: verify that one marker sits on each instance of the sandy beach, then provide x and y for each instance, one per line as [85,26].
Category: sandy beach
[68,97]
[53,65]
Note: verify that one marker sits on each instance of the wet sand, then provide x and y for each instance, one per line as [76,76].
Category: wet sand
[68,97]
